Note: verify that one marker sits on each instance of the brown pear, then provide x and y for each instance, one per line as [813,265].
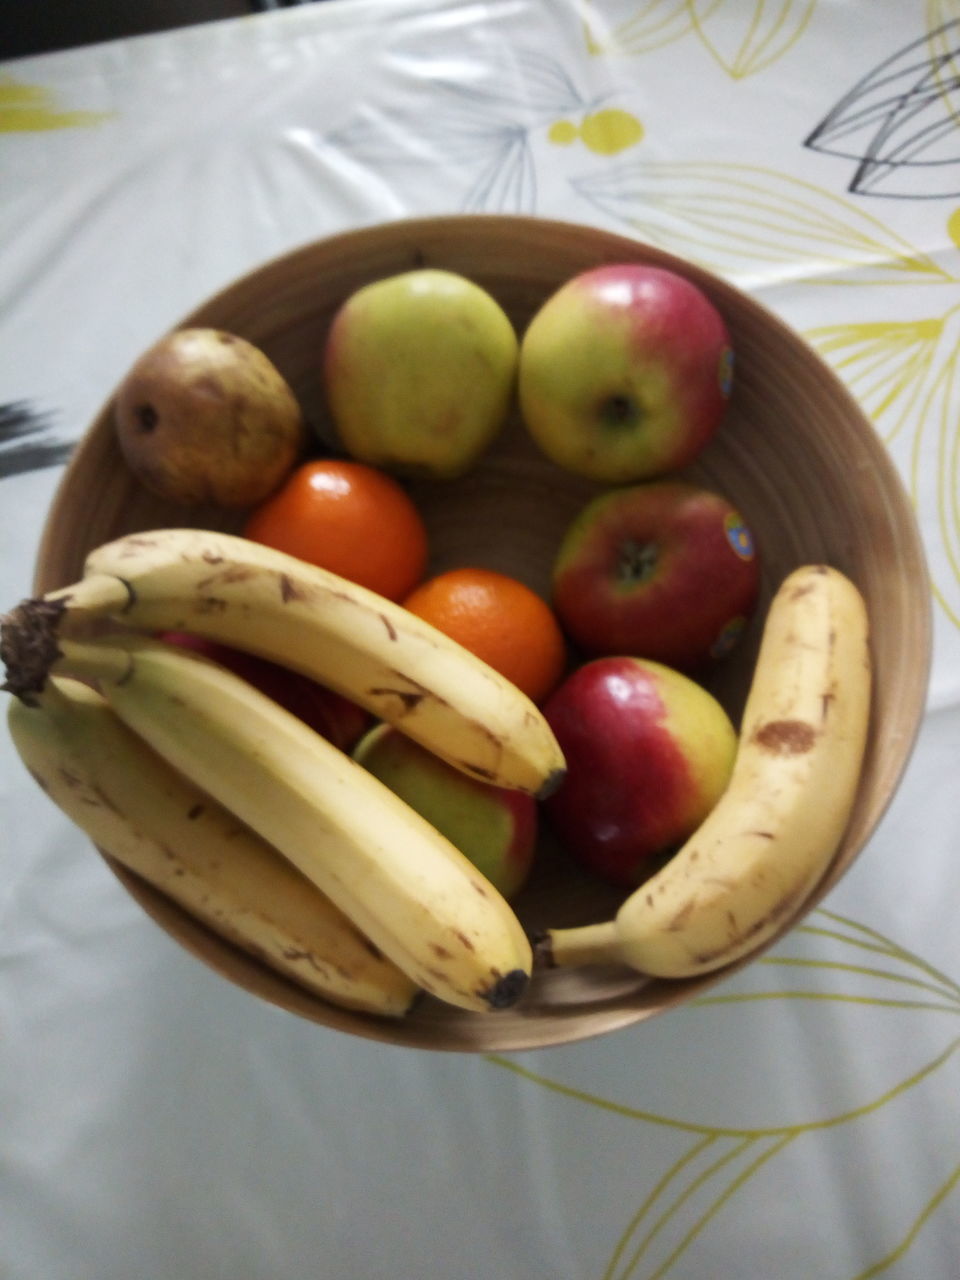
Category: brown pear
[204,416]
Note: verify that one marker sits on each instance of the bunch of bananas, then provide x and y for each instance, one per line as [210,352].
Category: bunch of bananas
[395,907]
[205,787]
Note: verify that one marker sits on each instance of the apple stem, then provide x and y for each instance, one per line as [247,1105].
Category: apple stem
[588,944]
[638,561]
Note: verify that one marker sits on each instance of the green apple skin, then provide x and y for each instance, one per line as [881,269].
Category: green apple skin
[625,373]
[419,372]
[649,752]
[664,570]
[493,827]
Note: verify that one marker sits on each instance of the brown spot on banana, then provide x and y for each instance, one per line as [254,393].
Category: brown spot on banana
[233,573]
[289,590]
[105,800]
[210,604]
[738,940]
[440,952]
[680,918]
[462,937]
[409,699]
[390,628]
[478,771]
[785,737]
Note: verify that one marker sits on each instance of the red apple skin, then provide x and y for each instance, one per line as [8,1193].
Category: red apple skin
[663,570]
[649,753]
[625,373]
[334,717]
[494,827]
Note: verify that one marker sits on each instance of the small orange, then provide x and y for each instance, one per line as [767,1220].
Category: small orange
[500,620]
[349,518]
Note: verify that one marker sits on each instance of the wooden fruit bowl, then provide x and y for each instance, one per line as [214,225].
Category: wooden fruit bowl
[795,454]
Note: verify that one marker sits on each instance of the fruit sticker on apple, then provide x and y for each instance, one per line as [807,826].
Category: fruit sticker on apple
[625,373]
[664,570]
[649,753]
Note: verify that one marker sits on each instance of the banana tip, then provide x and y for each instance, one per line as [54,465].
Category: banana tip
[551,783]
[507,989]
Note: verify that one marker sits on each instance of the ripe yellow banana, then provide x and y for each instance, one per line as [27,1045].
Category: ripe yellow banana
[148,817]
[348,638]
[408,889]
[770,838]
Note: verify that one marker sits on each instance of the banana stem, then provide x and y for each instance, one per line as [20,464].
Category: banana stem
[98,596]
[30,633]
[96,663]
[588,944]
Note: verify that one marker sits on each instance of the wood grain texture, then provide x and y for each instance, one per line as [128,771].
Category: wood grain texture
[795,454]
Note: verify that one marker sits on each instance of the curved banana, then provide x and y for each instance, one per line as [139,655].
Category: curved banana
[408,889]
[143,814]
[367,648]
[770,838]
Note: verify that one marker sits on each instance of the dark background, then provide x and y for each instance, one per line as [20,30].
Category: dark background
[40,26]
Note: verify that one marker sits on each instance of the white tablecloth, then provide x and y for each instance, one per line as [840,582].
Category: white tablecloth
[802,1120]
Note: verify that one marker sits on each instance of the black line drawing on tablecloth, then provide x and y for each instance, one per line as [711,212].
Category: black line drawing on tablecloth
[25,440]
[901,122]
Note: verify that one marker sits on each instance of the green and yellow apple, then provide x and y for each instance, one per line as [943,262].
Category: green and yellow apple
[664,570]
[649,753]
[625,373]
[419,371]
[495,828]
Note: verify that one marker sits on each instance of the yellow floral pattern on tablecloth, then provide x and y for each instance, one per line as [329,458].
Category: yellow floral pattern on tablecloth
[29,108]
[717,1161]
[743,36]
[606,132]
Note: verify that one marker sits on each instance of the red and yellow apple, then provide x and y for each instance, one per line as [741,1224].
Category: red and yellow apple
[493,827]
[625,373]
[663,570]
[649,752]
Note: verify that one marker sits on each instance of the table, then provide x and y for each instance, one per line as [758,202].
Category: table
[801,1120]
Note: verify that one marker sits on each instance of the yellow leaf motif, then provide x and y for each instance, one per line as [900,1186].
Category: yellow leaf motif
[886,364]
[756,225]
[746,38]
[28,108]
[905,374]
[712,1164]
[651,25]
[743,37]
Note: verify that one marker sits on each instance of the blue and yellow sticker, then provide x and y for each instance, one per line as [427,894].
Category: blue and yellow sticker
[728,637]
[739,536]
